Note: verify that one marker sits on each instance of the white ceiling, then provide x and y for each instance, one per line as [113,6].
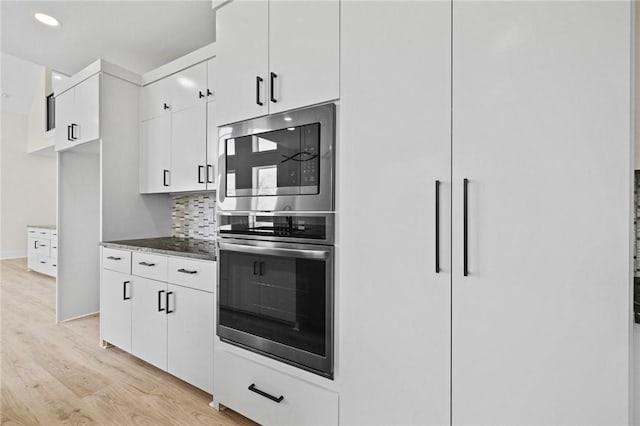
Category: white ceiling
[138,35]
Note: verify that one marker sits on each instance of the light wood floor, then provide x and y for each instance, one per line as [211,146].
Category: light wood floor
[58,373]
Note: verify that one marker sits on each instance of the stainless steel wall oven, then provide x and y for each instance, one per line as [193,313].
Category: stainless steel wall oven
[275,286]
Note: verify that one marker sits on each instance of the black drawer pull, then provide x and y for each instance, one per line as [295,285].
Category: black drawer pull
[166,300]
[160,308]
[253,388]
[186,271]
[43,262]
[146,264]
[124,290]
[114,258]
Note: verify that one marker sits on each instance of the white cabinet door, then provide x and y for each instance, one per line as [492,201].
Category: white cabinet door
[410,347]
[243,60]
[211,73]
[190,336]
[65,105]
[541,131]
[304,53]
[188,148]
[212,146]
[115,314]
[87,111]
[156,99]
[155,155]
[188,87]
[32,253]
[149,321]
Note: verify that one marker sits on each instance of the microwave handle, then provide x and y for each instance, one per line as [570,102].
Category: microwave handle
[271,251]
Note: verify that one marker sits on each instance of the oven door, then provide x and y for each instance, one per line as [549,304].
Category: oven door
[277,299]
[280,162]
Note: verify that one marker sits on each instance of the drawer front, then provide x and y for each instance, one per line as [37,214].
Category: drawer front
[116,260]
[40,246]
[149,266]
[53,252]
[302,403]
[46,265]
[197,274]
[39,233]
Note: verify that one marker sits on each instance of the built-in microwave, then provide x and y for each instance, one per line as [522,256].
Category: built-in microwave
[282,162]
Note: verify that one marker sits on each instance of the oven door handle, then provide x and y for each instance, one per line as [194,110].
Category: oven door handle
[275,251]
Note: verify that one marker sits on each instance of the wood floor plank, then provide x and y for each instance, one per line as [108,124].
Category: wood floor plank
[59,374]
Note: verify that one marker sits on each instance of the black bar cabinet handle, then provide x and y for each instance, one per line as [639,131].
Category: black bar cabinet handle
[253,388]
[69,133]
[114,258]
[146,264]
[200,170]
[165,106]
[200,94]
[261,268]
[465,249]
[164,177]
[73,133]
[209,92]
[186,271]
[124,290]
[258,83]
[209,173]
[167,301]
[255,268]
[437,226]
[35,244]
[272,90]
[160,308]
[43,262]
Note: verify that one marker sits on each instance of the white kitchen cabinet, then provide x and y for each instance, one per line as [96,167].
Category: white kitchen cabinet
[156,99]
[304,53]
[189,87]
[162,310]
[243,385]
[212,146]
[190,331]
[149,321]
[276,56]
[535,329]
[242,39]
[115,313]
[155,154]
[42,250]
[189,148]
[173,156]
[77,114]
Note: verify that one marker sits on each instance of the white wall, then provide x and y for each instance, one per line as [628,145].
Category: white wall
[27,187]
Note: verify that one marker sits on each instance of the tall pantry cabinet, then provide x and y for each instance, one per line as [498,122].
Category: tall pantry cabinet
[497,137]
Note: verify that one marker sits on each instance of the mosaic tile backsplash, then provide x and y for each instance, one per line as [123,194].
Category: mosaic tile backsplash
[194,216]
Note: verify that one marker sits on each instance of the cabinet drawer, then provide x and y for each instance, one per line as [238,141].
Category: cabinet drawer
[197,274]
[149,266]
[39,247]
[46,265]
[116,260]
[39,233]
[302,403]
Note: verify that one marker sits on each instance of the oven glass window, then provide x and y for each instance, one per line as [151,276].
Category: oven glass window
[282,299]
[281,162]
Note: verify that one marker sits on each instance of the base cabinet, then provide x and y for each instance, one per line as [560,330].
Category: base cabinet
[167,321]
[42,250]
[270,397]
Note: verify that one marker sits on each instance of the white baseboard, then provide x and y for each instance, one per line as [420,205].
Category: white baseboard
[12,254]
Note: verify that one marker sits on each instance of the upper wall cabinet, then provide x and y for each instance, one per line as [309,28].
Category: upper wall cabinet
[276,55]
[174,148]
[77,114]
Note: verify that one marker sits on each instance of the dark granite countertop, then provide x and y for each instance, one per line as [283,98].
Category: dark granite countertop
[185,247]
[42,226]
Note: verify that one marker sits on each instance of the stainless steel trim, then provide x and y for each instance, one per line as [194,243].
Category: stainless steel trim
[330,221]
[323,201]
[273,251]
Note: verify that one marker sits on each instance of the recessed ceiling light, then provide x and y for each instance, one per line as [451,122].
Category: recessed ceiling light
[47,20]
[288,119]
